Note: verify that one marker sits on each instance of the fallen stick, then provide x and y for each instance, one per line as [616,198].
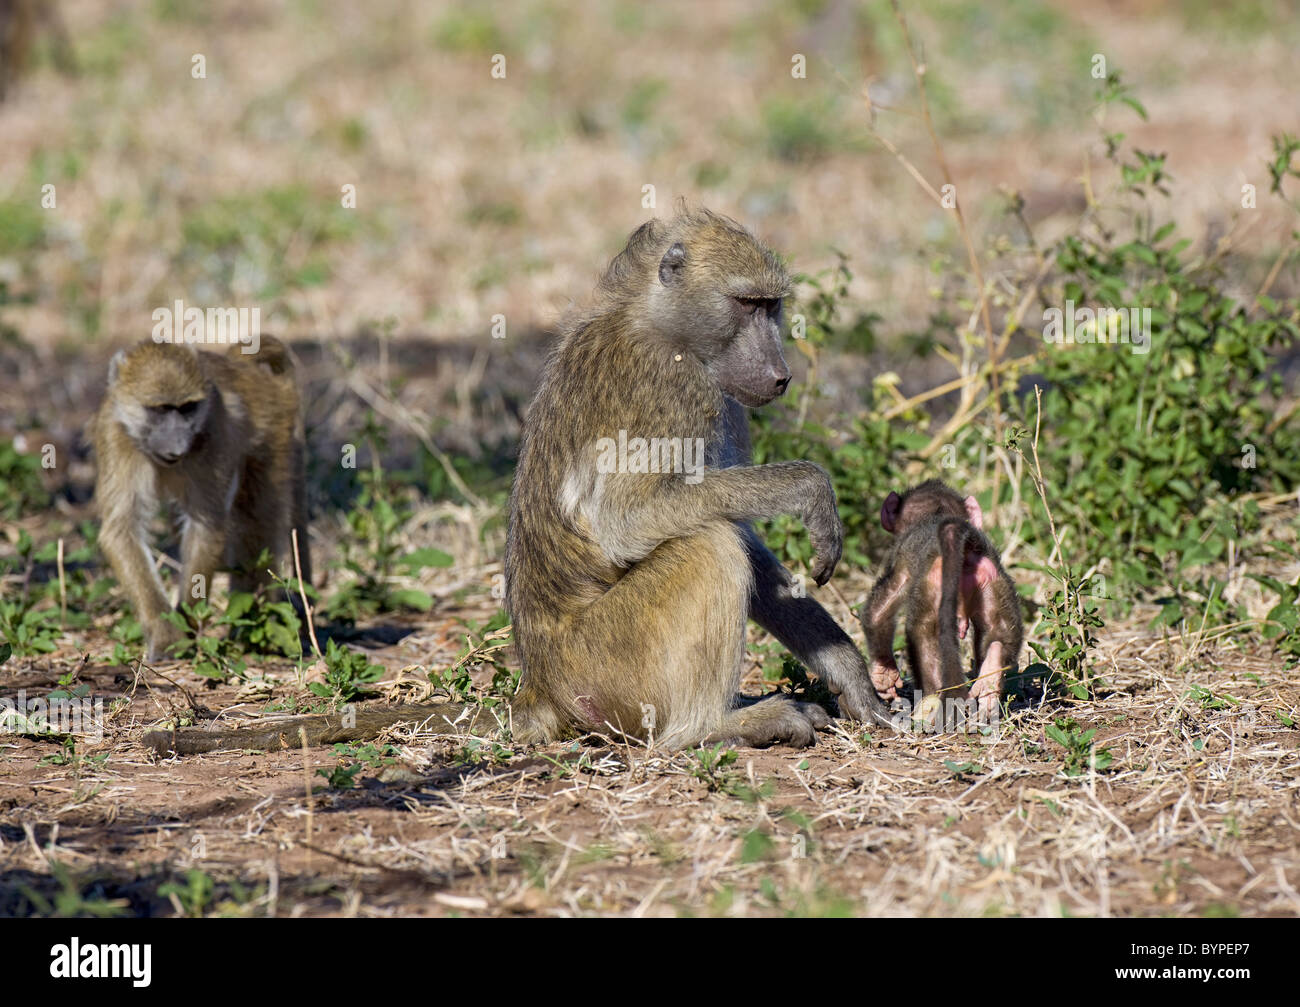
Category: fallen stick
[320,729]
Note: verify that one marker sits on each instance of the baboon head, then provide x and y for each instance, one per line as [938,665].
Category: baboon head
[714,291]
[162,399]
[900,513]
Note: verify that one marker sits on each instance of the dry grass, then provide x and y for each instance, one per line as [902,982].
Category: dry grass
[1197,815]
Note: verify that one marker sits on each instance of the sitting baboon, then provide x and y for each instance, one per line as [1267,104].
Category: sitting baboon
[630,567]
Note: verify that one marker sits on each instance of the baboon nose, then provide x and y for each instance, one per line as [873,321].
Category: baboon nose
[780,384]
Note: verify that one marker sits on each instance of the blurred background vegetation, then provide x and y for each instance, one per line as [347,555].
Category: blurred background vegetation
[477,196]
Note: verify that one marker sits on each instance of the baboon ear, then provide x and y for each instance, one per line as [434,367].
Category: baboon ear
[114,365]
[672,264]
[973,513]
[889,511]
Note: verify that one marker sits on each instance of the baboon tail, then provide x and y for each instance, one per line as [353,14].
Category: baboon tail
[351,723]
[952,548]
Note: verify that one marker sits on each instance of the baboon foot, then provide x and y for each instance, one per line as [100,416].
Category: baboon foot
[986,690]
[161,635]
[887,679]
[774,721]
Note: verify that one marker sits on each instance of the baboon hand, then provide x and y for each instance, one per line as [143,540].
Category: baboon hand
[824,529]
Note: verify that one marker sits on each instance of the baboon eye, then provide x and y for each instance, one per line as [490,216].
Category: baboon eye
[187,408]
[770,305]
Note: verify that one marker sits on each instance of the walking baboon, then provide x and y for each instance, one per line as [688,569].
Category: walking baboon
[947,574]
[221,437]
[630,569]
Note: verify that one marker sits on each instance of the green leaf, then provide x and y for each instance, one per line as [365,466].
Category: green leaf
[240,603]
[757,845]
[417,560]
[411,598]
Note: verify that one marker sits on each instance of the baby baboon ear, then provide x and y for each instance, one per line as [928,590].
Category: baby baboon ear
[672,264]
[889,511]
[973,513]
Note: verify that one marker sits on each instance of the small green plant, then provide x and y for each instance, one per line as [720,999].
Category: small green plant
[820,902]
[213,657]
[467,31]
[800,130]
[69,687]
[342,776]
[369,755]
[712,767]
[1282,167]
[565,768]
[65,756]
[21,488]
[1282,623]
[262,625]
[476,660]
[780,667]
[1209,700]
[963,769]
[1069,620]
[1080,753]
[86,594]
[190,898]
[373,552]
[72,899]
[1070,616]
[757,845]
[477,751]
[353,759]
[27,629]
[128,640]
[346,675]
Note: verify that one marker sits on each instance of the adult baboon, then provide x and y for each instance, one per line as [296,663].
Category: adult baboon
[630,569]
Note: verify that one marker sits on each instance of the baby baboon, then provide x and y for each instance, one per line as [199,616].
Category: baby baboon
[948,575]
[219,436]
[630,569]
